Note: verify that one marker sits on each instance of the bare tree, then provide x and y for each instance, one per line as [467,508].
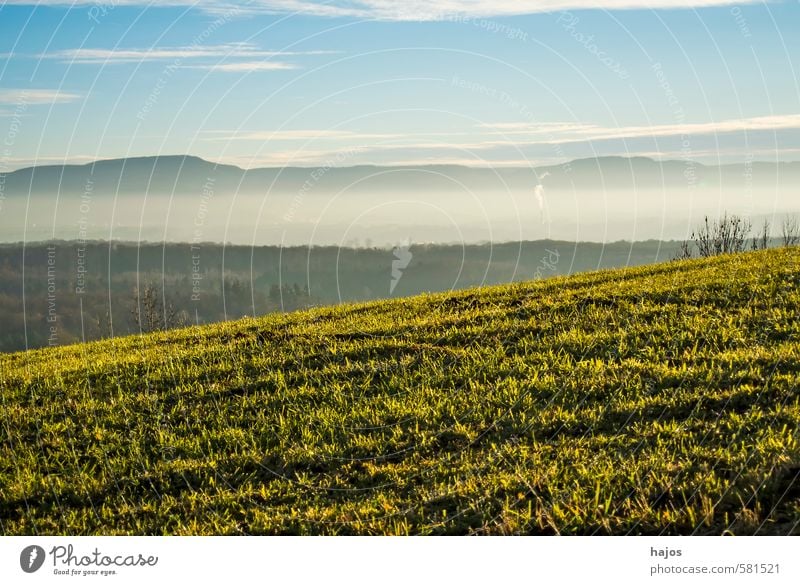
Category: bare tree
[790,231]
[151,312]
[727,235]
[761,241]
[103,324]
[684,252]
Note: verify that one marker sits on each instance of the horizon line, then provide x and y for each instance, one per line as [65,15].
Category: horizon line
[487,166]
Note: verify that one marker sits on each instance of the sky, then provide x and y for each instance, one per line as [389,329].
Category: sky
[477,82]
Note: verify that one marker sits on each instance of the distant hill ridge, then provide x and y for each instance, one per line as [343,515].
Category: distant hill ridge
[186,174]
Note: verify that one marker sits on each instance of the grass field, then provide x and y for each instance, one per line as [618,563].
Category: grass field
[661,399]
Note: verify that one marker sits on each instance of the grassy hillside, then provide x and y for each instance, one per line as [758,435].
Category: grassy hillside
[661,399]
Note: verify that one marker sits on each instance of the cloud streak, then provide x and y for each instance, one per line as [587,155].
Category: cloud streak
[246,67]
[231,57]
[411,10]
[503,134]
[291,135]
[492,143]
[566,132]
[17,97]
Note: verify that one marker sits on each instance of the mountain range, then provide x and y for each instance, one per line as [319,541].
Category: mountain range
[185,198]
[183,174]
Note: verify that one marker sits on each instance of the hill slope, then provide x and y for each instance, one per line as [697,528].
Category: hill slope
[661,399]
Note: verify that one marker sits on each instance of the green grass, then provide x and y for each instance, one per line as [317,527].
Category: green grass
[661,399]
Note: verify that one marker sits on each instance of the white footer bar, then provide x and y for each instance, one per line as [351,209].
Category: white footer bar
[385,560]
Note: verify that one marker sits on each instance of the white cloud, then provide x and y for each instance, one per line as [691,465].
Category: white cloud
[180,54]
[290,135]
[290,158]
[410,10]
[723,154]
[474,162]
[26,97]
[416,10]
[489,137]
[246,67]
[566,132]
[502,134]
[505,143]
[547,129]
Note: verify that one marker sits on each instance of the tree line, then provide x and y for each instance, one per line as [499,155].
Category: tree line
[105,289]
[731,234]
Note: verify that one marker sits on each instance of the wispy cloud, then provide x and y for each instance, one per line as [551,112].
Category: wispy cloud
[722,154]
[25,97]
[246,67]
[231,57]
[504,134]
[418,10]
[138,55]
[517,144]
[547,129]
[566,132]
[299,135]
[410,10]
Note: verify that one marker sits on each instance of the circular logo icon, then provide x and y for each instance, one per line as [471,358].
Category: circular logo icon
[31,558]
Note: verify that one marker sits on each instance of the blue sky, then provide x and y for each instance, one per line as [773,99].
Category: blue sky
[288,82]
